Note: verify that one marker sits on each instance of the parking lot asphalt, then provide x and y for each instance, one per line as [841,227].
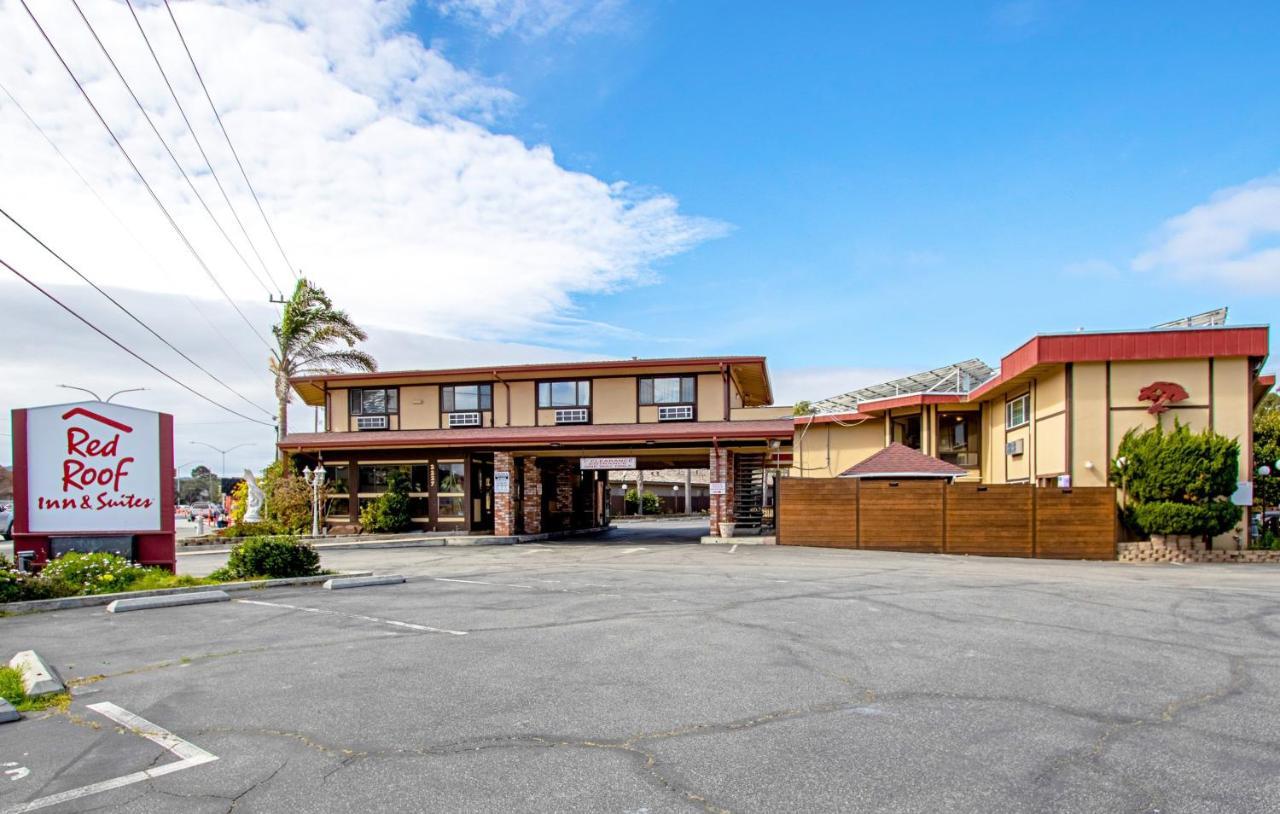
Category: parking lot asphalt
[626,674]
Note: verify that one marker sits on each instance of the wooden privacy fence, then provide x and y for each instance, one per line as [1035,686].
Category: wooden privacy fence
[1002,520]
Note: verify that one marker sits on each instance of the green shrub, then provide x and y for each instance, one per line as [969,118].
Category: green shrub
[389,512]
[1268,540]
[1195,519]
[97,573]
[12,689]
[273,557]
[1178,482]
[652,504]
[16,586]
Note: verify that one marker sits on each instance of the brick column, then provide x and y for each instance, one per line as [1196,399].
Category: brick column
[531,503]
[504,520]
[721,466]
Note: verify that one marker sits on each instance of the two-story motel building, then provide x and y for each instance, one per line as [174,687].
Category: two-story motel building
[524,449]
[527,448]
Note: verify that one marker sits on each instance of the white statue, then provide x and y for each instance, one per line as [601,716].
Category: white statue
[254,499]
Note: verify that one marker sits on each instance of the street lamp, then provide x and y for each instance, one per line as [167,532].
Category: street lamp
[222,473]
[96,397]
[315,479]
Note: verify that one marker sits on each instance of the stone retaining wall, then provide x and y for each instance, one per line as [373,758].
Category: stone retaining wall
[1185,549]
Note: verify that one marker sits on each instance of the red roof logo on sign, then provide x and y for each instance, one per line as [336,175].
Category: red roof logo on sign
[89,414]
[1161,395]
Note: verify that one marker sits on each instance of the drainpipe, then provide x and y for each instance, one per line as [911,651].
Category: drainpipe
[504,384]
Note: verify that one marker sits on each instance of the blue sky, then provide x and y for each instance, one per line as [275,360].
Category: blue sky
[906,184]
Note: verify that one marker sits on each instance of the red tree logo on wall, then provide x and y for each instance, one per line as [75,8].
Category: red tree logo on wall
[1161,395]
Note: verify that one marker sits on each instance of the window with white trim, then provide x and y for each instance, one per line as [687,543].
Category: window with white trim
[1017,412]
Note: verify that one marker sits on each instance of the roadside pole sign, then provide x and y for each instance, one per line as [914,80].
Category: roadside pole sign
[91,476]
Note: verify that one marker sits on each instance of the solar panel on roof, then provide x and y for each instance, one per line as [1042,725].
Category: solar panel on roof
[961,378]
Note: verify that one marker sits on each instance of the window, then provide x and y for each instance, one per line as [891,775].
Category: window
[958,438]
[564,394]
[906,430]
[461,398]
[374,400]
[1017,412]
[667,390]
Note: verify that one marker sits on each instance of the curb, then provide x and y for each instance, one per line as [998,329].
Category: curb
[361,582]
[171,601]
[413,542]
[38,677]
[68,602]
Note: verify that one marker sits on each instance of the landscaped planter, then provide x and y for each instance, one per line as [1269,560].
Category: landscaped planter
[727,529]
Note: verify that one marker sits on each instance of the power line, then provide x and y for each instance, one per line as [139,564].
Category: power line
[227,136]
[154,197]
[155,58]
[112,212]
[131,315]
[128,350]
[181,170]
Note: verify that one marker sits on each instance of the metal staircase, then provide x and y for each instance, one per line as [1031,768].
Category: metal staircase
[748,492]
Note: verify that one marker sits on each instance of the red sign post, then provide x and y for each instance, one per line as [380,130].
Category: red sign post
[93,477]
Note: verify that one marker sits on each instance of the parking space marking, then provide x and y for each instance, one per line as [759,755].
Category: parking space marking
[189,756]
[481,582]
[361,617]
[733,548]
[632,550]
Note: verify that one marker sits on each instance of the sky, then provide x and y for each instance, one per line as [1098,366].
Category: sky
[855,190]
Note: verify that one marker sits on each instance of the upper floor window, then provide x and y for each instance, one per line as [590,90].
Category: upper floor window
[564,394]
[374,401]
[667,390]
[1017,412]
[461,398]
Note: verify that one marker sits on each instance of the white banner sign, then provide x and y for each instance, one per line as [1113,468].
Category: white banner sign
[717,488]
[607,463]
[502,483]
[94,467]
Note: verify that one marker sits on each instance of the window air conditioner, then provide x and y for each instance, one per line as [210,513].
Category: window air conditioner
[371,422]
[464,419]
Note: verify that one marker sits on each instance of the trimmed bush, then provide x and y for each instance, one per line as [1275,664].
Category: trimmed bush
[97,573]
[16,586]
[273,557]
[389,512]
[1196,519]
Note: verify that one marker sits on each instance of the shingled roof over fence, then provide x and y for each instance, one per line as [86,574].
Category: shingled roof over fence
[899,461]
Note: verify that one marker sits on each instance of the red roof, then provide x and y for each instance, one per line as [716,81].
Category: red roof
[899,461]
[707,431]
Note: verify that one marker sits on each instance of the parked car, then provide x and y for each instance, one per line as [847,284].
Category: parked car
[6,522]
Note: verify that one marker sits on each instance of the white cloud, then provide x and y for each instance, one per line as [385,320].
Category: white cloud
[372,154]
[534,18]
[815,383]
[1229,239]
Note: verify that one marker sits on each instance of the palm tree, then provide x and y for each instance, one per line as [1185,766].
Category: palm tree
[313,338]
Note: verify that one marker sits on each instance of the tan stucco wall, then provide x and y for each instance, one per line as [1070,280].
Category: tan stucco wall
[829,449]
[614,401]
[1051,393]
[524,400]
[420,407]
[1051,446]
[648,414]
[710,396]
[1128,378]
[339,415]
[759,413]
[1089,424]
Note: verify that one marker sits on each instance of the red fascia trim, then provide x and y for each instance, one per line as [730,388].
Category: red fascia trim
[525,440]
[167,473]
[831,418]
[618,364]
[1182,343]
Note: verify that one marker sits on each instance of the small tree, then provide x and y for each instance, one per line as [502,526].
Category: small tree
[1266,451]
[288,498]
[803,408]
[1179,482]
[390,511]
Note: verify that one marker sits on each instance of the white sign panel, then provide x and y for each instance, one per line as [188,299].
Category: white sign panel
[607,463]
[1243,495]
[502,483]
[94,467]
[1064,481]
[717,488]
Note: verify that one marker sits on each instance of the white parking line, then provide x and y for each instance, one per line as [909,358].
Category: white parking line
[733,548]
[632,550]
[481,582]
[361,617]
[190,755]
